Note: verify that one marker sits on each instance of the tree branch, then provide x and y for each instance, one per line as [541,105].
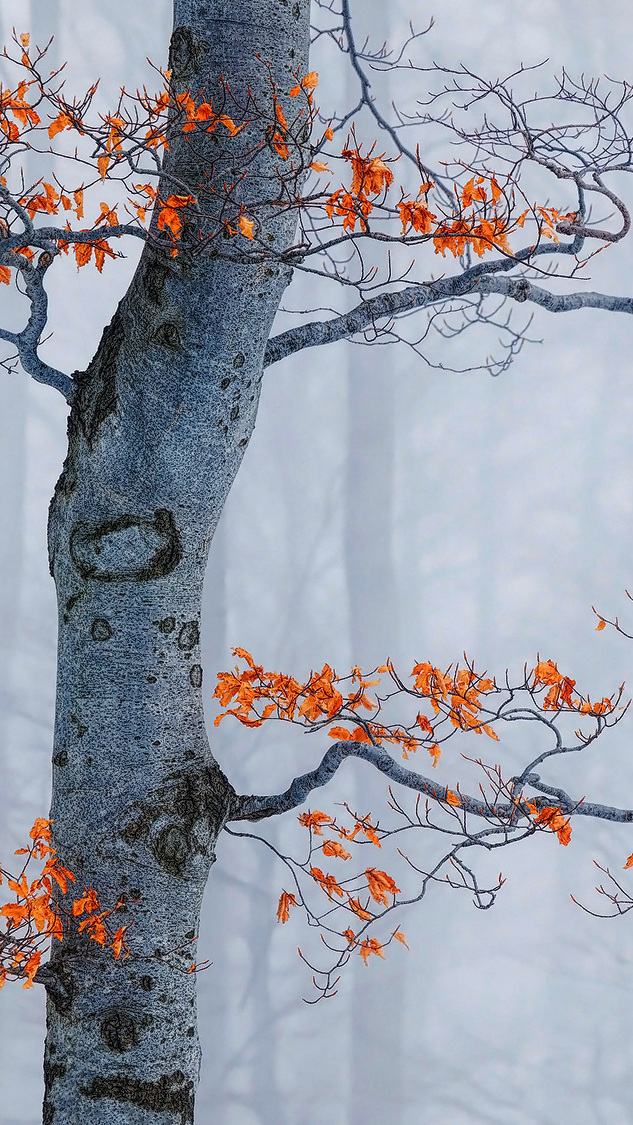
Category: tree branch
[413,297]
[28,339]
[253,808]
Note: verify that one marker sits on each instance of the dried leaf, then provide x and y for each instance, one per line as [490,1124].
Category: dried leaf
[399,936]
[332,847]
[327,882]
[314,820]
[380,885]
[369,946]
[61,122]
[286,900]
[355,905]
[246,226]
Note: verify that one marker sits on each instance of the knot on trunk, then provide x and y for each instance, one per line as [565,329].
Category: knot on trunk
[130,548]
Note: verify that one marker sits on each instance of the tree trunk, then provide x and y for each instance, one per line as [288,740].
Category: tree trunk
[157,431]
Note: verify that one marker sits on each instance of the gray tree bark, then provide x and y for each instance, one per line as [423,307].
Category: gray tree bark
[158,427]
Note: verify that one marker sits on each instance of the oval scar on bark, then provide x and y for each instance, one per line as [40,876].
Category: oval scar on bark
[118,1030]
[101,629]
[189,635]
[130,548]
[167,625]
[171,849]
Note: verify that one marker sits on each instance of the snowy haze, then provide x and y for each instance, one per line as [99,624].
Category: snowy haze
[383,509]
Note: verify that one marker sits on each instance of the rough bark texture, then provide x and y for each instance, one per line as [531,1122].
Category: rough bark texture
[157,431]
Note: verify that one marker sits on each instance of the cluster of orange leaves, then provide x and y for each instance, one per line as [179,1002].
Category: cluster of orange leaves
[561,689]
[380,885]
[319,701]
[481,224]
[253,695]
[33,913]
[48,200]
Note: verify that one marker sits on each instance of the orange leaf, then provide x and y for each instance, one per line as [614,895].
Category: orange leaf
[310,80]
[286,900]
[452,798]
[380,885]
[101,249]
[43,914]
[61,122]
[102,165]
[354,903]
[435,753]
[118,942]
[424,723]
[328,882]
[5,275]
[368,175]
[332,847]
[314,820]
[546,672]
[553,818]
[317,166]
[471,193]
[371,945]
[495,189]
[61,875]
[204,112]
[246,226]
[280,146]
[600,625]
[629,862]
[31,968]
[15,912]
[83,251]
[168,216]
[362,826]
[340,732]
[88,903]
[108,215]
[230,124]
[20,887]
[399,936]
[416,215]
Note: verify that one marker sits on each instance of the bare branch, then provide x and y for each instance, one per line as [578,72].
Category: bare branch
[417,297]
